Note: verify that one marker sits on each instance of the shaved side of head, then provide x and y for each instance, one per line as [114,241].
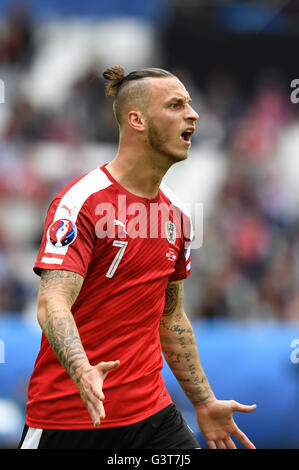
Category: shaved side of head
[133,95]
[132,90]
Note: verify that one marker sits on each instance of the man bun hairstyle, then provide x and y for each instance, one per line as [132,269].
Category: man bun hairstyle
[122,93]
[115,74]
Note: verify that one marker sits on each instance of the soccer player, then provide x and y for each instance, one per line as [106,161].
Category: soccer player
[114,253]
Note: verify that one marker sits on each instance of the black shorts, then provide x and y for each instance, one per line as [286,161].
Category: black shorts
[164,430]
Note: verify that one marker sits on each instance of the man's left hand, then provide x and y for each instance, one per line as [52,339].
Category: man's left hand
[215,419]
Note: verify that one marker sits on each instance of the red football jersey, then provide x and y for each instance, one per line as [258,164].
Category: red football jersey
[127,248]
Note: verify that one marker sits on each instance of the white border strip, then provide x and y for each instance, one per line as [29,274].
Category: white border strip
[47,260]
[74,199]
[32,438]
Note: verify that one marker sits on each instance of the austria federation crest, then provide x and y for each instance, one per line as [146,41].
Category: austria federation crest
[170,230]
[62,232]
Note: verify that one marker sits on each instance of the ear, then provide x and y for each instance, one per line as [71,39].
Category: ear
[136,120]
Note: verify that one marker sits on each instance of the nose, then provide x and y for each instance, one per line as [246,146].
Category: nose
[191,113]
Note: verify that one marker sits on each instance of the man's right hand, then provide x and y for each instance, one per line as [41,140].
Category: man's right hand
[90,386]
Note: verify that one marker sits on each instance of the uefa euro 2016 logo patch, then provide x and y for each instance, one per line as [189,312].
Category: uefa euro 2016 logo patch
[62,232]
[170,230]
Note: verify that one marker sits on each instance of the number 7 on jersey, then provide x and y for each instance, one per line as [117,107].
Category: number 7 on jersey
[117,258]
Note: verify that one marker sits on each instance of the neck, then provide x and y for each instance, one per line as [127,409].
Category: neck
[138,171]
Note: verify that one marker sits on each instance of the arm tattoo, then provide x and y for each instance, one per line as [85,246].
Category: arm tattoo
[171,298]
[179,346]
[60,289]
[62,282]
[63,336]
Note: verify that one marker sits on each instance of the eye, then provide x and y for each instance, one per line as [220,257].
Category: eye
[174,105]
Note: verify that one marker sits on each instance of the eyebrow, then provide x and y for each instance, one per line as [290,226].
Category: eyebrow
[179,99]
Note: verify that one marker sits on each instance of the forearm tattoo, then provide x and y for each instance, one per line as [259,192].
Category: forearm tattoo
[61,289]
[179,347]
[171,298]
[66,283]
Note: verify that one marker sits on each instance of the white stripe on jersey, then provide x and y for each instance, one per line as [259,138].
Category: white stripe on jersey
[48,260]
[71,203]
[188,252]
[178,203]
[32,438]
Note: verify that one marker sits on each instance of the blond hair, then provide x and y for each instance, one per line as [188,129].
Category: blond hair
[121,92]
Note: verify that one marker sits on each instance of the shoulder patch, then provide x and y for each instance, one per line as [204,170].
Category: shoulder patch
[61,233]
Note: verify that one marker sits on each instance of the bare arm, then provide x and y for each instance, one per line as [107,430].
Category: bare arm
[179,347]
[214,417]
[58,292]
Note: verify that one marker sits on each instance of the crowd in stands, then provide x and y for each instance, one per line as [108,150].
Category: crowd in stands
[248,266]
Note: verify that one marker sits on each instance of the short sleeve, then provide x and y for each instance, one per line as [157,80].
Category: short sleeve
[183,264]
[68,239]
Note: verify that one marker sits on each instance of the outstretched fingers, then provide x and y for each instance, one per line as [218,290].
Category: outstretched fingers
[238,433]
[105,367]
[243,439]
[211,444]
[92,390]
[226,443]
[229,443]
[95,409]
[242,408]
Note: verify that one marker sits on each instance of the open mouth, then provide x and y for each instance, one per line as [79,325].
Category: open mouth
[186,136]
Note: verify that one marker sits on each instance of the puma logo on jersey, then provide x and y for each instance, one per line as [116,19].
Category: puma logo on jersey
[68,210]
[121,224]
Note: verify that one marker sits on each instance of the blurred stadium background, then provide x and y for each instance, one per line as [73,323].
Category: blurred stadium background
[238,60]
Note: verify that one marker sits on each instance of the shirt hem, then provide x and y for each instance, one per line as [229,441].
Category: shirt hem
[178,277]
[39,267]
[114,423]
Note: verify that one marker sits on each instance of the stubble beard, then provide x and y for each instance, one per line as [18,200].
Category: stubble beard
[158,144]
